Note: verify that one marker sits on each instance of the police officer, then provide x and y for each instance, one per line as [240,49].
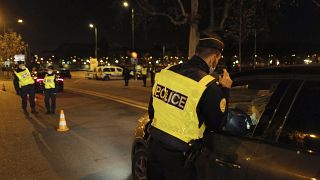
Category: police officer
[126,75]
[144,72]
[26,84]
[185,101]
[50,90]
[152,74]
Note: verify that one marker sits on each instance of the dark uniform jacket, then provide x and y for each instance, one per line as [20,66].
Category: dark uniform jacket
[208,110]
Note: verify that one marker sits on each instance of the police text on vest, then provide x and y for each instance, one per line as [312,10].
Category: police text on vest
[168,96]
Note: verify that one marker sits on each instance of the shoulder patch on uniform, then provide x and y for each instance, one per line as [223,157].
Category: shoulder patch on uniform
[223,104]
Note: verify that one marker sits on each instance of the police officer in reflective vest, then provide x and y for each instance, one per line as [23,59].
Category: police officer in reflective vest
[50,90]
[185,101]
[26,84]
[144,72]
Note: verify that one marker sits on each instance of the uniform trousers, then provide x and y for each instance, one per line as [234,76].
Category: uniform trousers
[25,90]
[50,94]
[167,164]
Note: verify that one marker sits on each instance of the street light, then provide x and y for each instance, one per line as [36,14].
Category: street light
[96,39]
[20,21]
[126,5]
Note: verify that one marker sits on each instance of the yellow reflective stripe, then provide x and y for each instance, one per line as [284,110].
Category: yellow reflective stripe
[206,80]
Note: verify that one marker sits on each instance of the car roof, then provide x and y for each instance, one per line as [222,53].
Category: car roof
[284,72]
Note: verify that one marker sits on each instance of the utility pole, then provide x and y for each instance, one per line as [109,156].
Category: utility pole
[132,27]
[240,35]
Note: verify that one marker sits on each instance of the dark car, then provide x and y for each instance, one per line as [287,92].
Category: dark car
[39,85]
[64,73]
[272,130]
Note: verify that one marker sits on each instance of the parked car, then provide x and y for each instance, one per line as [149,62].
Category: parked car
[39,85]
[109,72]
[65,73]
[272,130]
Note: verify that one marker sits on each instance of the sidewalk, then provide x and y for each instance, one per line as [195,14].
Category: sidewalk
[18,132]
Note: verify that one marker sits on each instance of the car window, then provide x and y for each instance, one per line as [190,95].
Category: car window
[251,97]
[302,127]
[274,127]
[106,70]
[112,69]
[119,69]
[271,108]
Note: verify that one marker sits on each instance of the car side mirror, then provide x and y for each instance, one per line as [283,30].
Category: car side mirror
[238,122]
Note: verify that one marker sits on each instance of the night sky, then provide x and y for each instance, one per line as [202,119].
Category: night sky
[50,23]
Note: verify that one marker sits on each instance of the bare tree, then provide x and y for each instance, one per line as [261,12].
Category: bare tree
[176,12]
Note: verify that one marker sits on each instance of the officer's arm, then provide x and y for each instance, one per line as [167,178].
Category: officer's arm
[150,108]
[213,106]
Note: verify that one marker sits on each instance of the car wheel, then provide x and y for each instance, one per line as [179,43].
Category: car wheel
[139,165]
[106,78]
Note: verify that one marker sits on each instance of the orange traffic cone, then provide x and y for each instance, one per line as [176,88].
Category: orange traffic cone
[62,123]
[3,87]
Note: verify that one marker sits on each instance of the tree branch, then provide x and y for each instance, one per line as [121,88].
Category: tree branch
[225,13]
[173,20]
[183,12]
[316,3]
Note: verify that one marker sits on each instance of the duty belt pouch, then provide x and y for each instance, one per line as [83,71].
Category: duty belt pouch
[196,147]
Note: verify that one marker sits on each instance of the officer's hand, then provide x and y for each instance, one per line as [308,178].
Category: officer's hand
[225,80]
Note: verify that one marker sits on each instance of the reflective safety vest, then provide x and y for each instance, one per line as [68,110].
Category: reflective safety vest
[144,71]
[24,77]
[49,82]
[175,100]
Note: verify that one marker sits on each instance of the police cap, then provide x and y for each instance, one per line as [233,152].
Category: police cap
[210,40]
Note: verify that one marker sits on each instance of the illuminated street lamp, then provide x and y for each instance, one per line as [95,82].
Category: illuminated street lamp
[20,21]
[96,39]
[126,5]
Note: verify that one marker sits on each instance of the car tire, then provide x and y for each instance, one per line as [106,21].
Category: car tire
[106,78]
[139,164]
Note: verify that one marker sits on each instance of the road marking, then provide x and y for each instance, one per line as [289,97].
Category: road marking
[110,97]
[44,142]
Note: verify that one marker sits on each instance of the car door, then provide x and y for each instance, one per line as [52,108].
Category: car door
[228,155]
[292,138]
[113,74]
[119,73]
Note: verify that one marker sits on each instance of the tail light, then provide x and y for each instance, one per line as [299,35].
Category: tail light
[39,80]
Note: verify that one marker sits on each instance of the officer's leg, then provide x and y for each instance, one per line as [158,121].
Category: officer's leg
[154,168]
[144,80]
[53,102]
[173,161]
[46,100]
[24,98]
[32,95]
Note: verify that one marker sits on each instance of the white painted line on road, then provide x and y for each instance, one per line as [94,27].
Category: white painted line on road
[110,97]
[44,142]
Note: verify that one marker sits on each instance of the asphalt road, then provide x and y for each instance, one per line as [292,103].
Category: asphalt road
[101,116]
